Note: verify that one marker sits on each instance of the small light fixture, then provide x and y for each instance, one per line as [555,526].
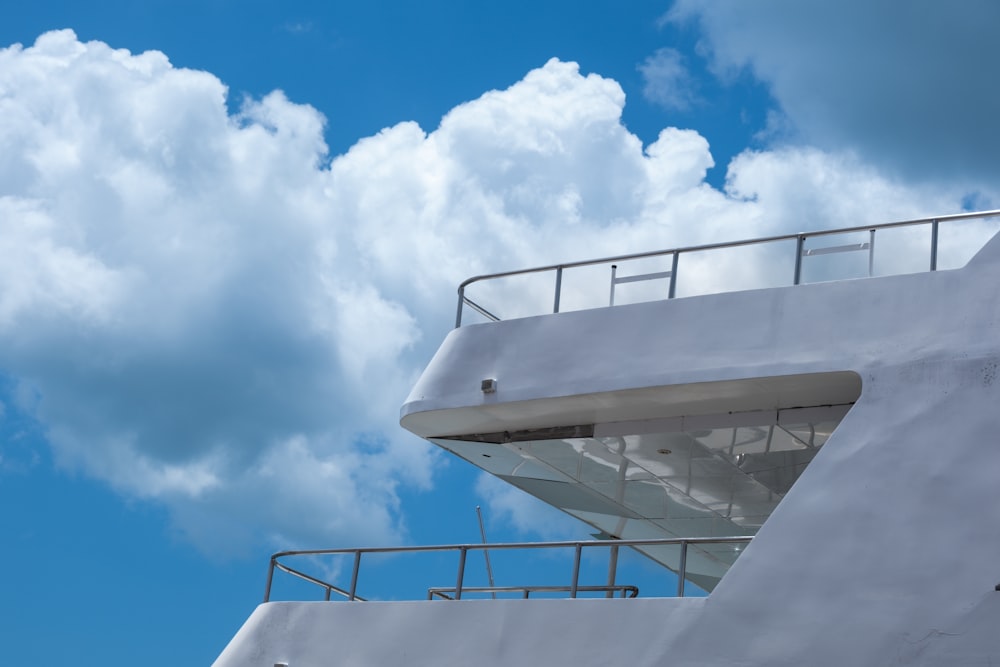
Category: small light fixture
[663,451]
[489,386]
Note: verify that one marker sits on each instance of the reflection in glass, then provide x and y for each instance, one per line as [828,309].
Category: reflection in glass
[705,482]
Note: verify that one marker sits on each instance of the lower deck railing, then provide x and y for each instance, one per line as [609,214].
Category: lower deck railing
[627,590]
[611,588]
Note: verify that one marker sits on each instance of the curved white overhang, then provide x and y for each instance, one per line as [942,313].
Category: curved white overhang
[644,403]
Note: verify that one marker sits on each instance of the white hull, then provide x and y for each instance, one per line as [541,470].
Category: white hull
[886,551]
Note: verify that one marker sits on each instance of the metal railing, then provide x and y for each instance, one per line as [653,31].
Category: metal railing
[801,251]
[455,593]
[626,590]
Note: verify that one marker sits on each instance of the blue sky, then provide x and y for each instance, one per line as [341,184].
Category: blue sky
[215,296]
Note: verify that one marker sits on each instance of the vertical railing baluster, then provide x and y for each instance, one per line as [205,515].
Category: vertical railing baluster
[934,244]
[461,303]
[270,577]
[555,307]
[461,572]
[799,244]
[612,570]
[354,576]
[682,570]
[673,277]
[614,270]
[576,571]
[871,254]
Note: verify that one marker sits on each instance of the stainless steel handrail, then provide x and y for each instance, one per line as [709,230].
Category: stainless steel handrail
[330,588]
[800,238]
[463,549]
[630,590]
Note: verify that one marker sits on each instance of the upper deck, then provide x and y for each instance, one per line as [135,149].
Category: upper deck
[687,417]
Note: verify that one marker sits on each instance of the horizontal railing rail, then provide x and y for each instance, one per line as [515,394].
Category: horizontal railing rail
[801,251]
[351,591]
[626,590]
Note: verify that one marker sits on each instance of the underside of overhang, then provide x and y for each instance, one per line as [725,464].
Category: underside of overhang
[705,460]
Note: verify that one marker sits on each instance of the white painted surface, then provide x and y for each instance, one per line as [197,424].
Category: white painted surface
[473,632]
[885,552]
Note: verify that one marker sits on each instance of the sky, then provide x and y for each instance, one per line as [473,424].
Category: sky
[232,234]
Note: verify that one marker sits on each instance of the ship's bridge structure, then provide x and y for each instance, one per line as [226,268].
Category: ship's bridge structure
[846,423]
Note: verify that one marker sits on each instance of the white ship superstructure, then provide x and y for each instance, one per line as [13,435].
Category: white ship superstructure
[846,430]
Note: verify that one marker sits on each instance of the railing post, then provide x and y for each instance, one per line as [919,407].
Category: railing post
[576,571]
[934,244]
[461,571]
[799,244]
[871,254]
[555,306]
[612,571]
[682,570]
[614,270]
[461,303]
[486,552]
[354,576]
[270,576]
[673,277]
[328,589]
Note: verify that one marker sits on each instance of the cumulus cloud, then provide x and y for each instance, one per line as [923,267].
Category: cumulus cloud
[666,80]
[907,86]
[177,298]
[207,310]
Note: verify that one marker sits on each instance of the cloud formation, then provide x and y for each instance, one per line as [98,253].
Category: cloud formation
[905,86]
[208,311]
[667,81]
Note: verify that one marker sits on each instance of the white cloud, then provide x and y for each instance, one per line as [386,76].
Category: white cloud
[299,491]
[904,85]
[666,80]
[204,310]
